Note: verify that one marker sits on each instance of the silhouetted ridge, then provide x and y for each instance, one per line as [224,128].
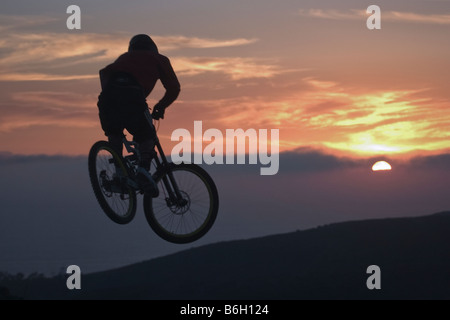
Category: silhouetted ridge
[327,262]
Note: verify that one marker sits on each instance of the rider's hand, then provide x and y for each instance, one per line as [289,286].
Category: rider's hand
[158,112]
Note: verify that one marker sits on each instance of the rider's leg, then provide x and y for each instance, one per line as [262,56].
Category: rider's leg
[146,148]
[145,134]
[113,128]
[115,139]
[144,177]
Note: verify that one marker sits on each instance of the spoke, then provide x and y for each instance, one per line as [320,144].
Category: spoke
[104,164]
[184,221]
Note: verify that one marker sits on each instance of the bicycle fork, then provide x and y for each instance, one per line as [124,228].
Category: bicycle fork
[175,197]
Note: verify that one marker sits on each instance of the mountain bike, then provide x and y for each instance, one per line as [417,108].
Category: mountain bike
[188,201]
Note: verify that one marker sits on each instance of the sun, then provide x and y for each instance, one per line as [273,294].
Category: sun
[381,166]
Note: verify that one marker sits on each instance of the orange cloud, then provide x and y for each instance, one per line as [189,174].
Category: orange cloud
[170,43]
[43,108]
[40,57]
[236,68]
[13,77]
[11,22]
[354,14]
[443,19]
[326,115]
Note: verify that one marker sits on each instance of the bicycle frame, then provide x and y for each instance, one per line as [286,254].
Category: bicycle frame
[163,171]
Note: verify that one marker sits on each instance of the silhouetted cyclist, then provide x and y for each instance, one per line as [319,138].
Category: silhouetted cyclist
[122,103]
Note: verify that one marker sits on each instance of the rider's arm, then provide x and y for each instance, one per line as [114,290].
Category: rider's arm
[169,81]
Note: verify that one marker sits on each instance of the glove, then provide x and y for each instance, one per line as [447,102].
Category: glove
[158,112]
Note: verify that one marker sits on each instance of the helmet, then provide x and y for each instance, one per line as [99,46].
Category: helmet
[142,42]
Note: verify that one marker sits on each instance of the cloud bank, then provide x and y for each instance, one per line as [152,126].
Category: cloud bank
[395,16]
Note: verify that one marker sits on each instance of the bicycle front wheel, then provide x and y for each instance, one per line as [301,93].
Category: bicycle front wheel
[189,219]
[116,198]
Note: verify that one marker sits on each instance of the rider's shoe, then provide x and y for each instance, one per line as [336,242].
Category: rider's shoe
[146,182]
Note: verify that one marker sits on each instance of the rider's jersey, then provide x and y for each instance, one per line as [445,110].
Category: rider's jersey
[147,67]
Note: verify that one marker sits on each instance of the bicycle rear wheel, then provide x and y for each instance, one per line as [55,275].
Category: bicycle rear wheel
[188,220]
[116,198]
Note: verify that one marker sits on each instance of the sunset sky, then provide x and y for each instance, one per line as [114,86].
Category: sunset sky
[342,96]
[309,68]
